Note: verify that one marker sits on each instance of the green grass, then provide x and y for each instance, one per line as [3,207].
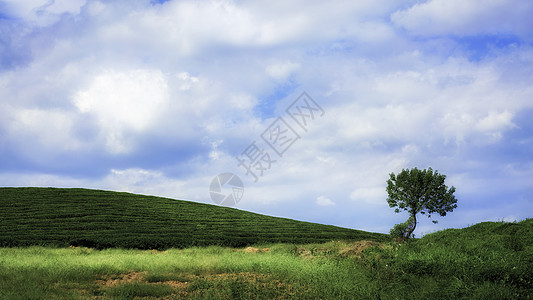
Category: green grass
[292,260]
[104,219]
[490,260]
[485,261]
[138,289]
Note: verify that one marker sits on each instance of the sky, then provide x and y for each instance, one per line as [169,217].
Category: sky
[311,104]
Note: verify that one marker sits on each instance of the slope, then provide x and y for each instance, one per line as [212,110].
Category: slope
[104,219]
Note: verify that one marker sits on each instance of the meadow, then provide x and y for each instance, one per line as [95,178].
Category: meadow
[87,244]
[485,261]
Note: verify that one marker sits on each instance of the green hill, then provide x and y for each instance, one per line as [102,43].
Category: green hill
[489,236]
[104,219]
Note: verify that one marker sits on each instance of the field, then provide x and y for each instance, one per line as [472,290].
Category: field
[485,261]
[44,256]
[105,219]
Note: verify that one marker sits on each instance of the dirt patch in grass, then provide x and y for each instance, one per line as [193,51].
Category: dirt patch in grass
[193,285]
[110,284]
[242,285]
[357,248]
[255,250]
[305,253]
[114,280]
[174,283]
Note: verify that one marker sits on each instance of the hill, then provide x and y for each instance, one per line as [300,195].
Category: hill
[105,219]
[489,236]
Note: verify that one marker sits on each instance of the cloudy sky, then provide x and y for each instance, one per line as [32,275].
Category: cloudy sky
[159,97]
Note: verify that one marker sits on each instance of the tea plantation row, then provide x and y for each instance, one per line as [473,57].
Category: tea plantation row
[105,219]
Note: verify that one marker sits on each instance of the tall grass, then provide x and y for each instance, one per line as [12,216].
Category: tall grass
[485,261]
[52,273]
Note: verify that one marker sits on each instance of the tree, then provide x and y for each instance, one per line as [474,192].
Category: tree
[418,191]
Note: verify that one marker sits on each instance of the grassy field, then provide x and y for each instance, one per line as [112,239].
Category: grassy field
[484,261]
[103,219]
[87,244]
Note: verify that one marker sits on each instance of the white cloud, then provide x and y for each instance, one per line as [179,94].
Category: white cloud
[187,81]
[324,201]
[124,101]
[50,129]
[466,17]
[281,70]
[193,29]
[370,195]
[462,126]
[496,122]
[42,12]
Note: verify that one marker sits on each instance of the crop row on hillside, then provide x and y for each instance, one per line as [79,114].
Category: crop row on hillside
[104,219]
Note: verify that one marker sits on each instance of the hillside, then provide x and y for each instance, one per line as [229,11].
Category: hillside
[103,219]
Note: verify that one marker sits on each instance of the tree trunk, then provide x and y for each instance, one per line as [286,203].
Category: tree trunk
[412,229]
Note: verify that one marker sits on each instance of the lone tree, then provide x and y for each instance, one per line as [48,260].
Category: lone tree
[418,191]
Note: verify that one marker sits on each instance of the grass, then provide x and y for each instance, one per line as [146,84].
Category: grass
[484,261]
[103,219]
[197,251]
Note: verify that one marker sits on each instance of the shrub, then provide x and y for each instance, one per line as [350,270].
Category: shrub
[400,231]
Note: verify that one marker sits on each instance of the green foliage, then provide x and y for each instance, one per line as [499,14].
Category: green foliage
[478,262]
[103,219]
[419,191]
[136,289]
[480,253]
[400,231]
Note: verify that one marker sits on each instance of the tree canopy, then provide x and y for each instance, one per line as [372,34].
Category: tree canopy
[419,191]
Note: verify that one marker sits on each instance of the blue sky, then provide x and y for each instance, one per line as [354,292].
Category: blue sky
[159,97]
